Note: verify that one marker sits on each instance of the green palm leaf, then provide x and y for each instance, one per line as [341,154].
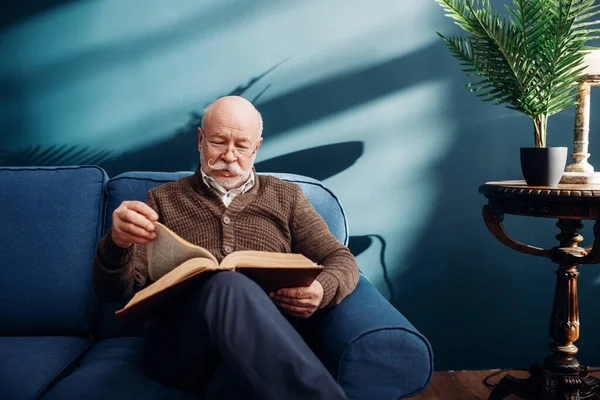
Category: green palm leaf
[530,61]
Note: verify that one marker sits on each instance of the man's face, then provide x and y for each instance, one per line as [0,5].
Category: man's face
[228,145]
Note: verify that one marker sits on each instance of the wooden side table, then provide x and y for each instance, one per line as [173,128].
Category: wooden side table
[561,376]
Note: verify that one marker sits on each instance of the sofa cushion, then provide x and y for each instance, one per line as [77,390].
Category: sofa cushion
[113,369]
[135,185]
[50,222]
[30,365]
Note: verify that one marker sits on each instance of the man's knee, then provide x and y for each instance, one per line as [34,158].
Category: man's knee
[227,295]
[229,280]
[225,287]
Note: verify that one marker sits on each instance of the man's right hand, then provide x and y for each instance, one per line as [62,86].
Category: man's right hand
[132,223]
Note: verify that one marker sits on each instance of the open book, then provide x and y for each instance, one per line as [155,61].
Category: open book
[173,264]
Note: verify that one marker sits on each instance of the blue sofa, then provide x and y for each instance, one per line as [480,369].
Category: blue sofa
[58,342]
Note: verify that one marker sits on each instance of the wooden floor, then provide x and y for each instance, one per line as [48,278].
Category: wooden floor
[466,385]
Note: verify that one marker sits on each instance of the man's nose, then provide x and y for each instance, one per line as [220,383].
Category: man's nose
[229,155]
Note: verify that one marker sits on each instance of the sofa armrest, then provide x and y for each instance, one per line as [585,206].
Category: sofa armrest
[371,348]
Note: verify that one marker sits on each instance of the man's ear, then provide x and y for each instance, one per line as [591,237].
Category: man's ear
[258,145]
[200,135]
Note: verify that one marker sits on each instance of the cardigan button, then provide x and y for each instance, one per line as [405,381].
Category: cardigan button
[226,220]
[227,249]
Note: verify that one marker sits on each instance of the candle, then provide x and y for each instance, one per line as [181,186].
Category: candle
[592,61]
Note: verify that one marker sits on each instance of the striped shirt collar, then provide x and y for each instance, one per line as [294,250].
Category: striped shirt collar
[227,195]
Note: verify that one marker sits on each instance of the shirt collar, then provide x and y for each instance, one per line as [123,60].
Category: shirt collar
[214,185]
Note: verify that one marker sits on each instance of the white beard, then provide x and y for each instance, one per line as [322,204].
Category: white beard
[230,183]
[234,167]
[237,178]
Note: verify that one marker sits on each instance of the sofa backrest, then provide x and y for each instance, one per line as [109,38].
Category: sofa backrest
[50,222]
[135,185]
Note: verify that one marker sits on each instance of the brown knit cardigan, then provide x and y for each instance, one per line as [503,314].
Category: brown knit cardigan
[273,215]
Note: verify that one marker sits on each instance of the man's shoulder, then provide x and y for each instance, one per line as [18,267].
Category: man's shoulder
[173,188]
[273,183]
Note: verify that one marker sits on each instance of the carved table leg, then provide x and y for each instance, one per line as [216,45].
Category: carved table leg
[562,366]
[562,377]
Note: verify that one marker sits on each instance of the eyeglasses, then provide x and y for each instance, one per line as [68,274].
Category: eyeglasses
[223,148]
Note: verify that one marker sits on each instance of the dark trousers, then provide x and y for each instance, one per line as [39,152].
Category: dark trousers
[229,329]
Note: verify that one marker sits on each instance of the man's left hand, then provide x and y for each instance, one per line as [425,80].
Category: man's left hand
[299,302]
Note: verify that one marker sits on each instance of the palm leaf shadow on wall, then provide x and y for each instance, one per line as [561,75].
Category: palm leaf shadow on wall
[157,156]
[318,162]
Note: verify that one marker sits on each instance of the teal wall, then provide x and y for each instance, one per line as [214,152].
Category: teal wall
[361,94]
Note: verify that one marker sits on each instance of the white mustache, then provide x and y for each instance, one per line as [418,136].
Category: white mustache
[221,165]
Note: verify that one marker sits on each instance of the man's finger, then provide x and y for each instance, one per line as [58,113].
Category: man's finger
[137,232]
[295,311]
[295,314]
[294,302]
[133,217]
[292,308]
[143,209]
[295,293]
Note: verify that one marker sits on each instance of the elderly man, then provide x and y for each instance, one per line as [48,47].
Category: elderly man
[228,325]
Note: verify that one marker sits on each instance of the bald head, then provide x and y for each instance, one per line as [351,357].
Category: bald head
[235,112]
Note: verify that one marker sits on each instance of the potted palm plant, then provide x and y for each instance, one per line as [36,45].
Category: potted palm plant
[529,59]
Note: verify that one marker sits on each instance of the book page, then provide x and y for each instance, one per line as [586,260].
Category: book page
[265,259]
[142,304]
[168,251]
[273,271]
